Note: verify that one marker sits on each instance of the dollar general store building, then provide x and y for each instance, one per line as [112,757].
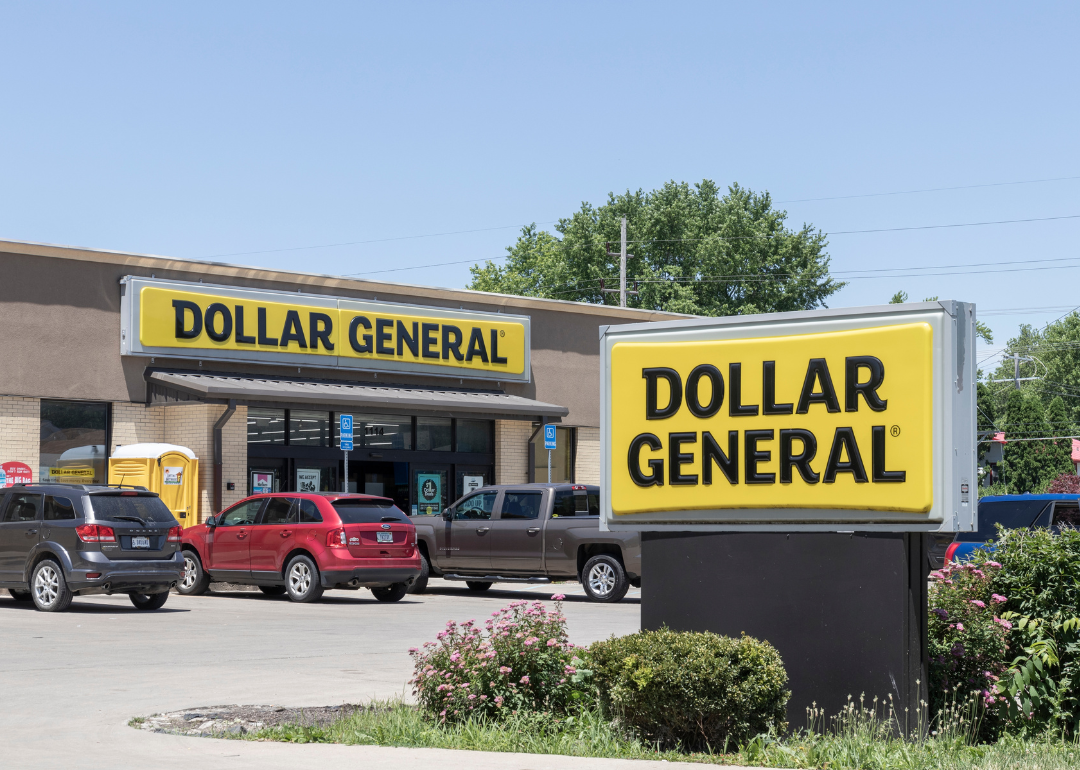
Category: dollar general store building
[251,369]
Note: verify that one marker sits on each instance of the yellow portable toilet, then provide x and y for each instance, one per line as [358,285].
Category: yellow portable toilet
[171,471]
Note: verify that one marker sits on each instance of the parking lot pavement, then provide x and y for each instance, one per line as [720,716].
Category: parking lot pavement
[72,680]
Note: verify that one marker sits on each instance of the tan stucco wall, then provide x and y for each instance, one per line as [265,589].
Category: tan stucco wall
[59,309]
[20,430]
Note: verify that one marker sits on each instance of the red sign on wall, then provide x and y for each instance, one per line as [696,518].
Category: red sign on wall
[15,473]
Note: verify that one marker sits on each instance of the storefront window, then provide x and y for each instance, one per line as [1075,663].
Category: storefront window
[562,464]
[433,434]
[429,492]
[383,431]
[474,436]
[308,428]
[74,442]
[266,426]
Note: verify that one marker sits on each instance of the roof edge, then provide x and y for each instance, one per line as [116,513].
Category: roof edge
[211,268]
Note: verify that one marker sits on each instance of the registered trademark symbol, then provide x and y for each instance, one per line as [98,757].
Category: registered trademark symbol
[502,332]
[895,430]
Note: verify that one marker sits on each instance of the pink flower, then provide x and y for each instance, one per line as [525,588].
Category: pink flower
[998,599]
[551,643]
[992,564]
[1003,623]
[504,669]
[472,697]
[959,626]
[414,650]
[455,657]
[558,597]
[524,680]
[978,603]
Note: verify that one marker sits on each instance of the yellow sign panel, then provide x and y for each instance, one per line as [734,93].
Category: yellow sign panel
[82,473]
[322,328]
[833,420]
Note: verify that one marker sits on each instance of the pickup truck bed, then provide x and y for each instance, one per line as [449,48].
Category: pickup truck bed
[531,533]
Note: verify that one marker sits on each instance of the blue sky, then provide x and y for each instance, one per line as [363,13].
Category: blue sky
[214,129]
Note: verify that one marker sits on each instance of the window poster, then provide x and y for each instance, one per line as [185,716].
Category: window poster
[307,479]
[262,482]
[429,493]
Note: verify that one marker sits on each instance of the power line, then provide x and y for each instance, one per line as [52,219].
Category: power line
[931,189]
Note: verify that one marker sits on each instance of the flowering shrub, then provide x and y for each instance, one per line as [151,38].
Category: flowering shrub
[968,638]
[517,660]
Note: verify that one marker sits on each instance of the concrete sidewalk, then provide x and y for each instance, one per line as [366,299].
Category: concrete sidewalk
[71,681]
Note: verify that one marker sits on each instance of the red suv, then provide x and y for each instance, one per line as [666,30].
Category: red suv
[302,544]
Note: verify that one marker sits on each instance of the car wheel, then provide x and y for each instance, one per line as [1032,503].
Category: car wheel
[20,596]
[273,590]
[420,584]
[302,582]
[391,593]
[477,585]
[48,587]
[194,581]
[149,601]
[604,579]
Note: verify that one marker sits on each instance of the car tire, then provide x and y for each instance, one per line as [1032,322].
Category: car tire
[390,593]
[194,581]
[273,590]
[420,584]
[604,579]
[48,588]
[20,596]
[478,586]
[149,601]
[302,581]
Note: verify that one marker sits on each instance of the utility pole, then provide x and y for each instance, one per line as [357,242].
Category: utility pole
[622,266]
[1016,370]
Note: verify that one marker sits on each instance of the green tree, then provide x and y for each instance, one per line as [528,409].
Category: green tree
[693,250]
[1059,451]
[1052,355]
[1024,460]
[899,298]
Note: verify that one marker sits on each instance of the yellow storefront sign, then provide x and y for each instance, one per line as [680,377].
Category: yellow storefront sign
[69,473]
[834,420]
[268,326]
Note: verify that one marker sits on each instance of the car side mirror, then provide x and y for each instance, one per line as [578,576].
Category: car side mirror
[211,522]
[448,514]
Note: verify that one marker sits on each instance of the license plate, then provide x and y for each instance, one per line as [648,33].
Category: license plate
[140,542]
[384,537]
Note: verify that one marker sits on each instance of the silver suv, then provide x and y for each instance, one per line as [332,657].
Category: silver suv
[58,541]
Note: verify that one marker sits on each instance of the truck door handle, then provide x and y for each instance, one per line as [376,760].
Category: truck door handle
[31,532]
[482,530]
[533,530]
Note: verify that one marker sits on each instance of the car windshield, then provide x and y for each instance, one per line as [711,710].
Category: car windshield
[1011,514]
[368,511]
[128,507]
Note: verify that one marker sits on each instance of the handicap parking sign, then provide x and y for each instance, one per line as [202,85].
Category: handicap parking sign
[549,437]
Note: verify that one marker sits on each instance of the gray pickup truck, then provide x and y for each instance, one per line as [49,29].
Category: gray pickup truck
[528,533]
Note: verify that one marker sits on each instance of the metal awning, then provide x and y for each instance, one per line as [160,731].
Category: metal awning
[168,387]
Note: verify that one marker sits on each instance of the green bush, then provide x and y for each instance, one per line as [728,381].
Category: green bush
[518,660]
[694,691]
[1039,575]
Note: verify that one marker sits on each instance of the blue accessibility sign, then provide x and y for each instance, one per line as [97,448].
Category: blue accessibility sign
[549,437]
[345,432]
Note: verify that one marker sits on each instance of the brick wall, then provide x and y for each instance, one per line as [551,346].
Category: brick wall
[512,451]
[20,430]
[587,459]
[192,426]
[137,424]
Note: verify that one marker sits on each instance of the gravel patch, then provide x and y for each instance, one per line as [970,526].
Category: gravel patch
[227,721]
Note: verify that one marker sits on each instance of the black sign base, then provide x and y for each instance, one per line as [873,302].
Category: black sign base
[846,612]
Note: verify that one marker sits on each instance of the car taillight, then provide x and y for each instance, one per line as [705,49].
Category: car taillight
[335,538]
[95,533]
[950,552]
[414,536]
[173,536]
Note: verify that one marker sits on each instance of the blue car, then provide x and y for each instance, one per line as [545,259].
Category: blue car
[1014,512]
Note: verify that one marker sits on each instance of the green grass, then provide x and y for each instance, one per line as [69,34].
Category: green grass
[864,746]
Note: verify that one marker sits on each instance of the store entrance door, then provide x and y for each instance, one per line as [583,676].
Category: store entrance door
[386,479]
